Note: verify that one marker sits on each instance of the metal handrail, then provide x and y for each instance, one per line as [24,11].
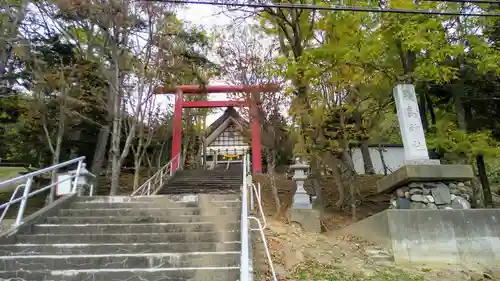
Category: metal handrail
[245,256]
[266,248]
[259,203]
[148,186]
[44,170]
[245,267]
[29,182]
[11,198]
[258,192]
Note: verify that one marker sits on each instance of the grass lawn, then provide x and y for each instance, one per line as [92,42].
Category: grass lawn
[10,172]
[34,203]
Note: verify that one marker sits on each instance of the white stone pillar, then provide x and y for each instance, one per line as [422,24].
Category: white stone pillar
[410,124]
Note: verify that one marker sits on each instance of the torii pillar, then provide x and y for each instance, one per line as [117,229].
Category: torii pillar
[199,89]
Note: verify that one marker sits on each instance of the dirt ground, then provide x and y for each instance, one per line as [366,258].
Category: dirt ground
[332,256]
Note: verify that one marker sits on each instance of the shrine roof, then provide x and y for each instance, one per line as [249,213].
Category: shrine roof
[230,112]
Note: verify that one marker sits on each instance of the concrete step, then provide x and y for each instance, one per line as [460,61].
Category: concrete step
[147,205]
[222,172]
[209,178]
[213,176]
[203,184]
[117,248]
[188,197]
[111,261]
[132,228]
[167,199]
[137,219]
[182,185]
[156,274]
[123,199]
[180,190]
[157,212]
[186,237]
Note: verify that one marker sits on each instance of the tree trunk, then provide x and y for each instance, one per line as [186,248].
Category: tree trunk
[137,172]
[10,32]
[365,152]
[270,169]
[57,150]
[333,163]
[422,108]
[160,155]
[382,159]
[116,129]
[352,189]
[459,107]
[430,107]
[204,151]
[481,168]
[367,159]
[184,152]
[100,151]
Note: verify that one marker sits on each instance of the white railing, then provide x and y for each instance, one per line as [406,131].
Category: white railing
[245,248]
[156,180]
[76,186]
[11,199]
[255,191]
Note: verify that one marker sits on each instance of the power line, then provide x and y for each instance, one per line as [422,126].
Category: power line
[328,8]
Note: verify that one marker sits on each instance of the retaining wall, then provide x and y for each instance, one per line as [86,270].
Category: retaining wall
[470,237]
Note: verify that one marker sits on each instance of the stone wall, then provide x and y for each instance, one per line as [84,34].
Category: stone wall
[433,195]
[467,237]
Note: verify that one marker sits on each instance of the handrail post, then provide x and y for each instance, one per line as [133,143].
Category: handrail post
[172,167]
[24,201]
[178,162]
[161,177]
[77,176]
[11,198]
[251,199]
[245,263]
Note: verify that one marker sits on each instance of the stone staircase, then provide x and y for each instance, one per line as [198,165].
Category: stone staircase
[222,179]
[160,238]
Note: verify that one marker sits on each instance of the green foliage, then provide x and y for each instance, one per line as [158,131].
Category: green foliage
[450,142]
[355,59]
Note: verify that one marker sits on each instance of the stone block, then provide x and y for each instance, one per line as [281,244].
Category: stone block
[441,194]
[423,162]
[422,173]
[309,219]
[374,228]
[467,237]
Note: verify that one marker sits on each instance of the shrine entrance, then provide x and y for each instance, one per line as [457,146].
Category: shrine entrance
[180,103]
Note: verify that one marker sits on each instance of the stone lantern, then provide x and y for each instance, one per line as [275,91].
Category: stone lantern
[301,199]
[302,210]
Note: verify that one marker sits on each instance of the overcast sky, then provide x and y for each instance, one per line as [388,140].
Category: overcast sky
[208,16]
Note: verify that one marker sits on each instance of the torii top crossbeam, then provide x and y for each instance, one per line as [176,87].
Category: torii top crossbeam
[200,89]
[180,90]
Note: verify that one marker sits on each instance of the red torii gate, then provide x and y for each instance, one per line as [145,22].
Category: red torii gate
[180,103]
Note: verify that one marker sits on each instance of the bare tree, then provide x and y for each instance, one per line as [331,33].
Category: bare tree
[148,123]
[10,23]
[246,58]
